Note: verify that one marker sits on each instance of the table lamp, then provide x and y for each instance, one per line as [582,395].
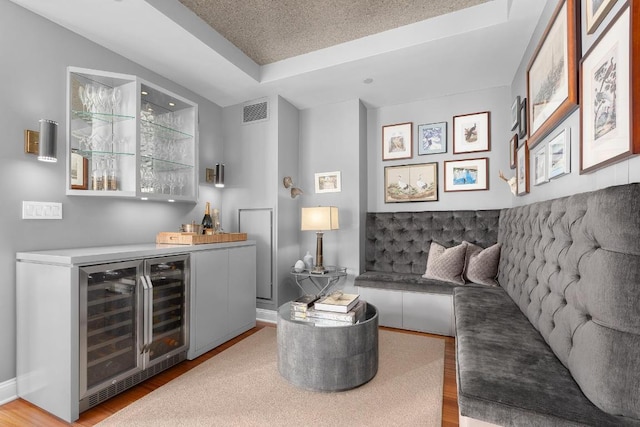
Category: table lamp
[319,219]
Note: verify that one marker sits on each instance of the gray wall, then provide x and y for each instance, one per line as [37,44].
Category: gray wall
[33,76]
[621,173]
[495,100]
[331,139]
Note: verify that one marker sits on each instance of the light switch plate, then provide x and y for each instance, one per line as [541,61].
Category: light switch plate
[41,210]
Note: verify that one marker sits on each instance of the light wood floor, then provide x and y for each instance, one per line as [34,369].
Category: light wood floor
[20,413]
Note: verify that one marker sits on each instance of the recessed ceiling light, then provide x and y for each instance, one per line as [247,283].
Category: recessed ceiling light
[172,104]
[144,92]
[367,81]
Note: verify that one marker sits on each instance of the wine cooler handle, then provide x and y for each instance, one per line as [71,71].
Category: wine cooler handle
[149,319]
[145,305]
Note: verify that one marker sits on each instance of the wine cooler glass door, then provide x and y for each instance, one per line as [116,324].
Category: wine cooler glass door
[167,316]
[110,324]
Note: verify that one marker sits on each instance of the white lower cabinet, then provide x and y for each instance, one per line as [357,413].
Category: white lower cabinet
[416,311]
[222,298]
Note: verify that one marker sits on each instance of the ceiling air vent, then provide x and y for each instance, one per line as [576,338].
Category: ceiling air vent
[255,112]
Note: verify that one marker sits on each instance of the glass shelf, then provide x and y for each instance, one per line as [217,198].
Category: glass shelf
[162,165]
[106,118]
[154,129]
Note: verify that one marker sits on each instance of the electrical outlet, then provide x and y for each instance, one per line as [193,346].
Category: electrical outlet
[41,210]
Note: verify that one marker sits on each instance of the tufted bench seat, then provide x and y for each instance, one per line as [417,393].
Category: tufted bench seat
[396,251]
[558,343]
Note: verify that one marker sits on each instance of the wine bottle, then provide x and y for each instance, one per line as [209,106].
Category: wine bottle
[207,222]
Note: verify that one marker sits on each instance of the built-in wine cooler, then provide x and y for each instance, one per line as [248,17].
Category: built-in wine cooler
[133,323]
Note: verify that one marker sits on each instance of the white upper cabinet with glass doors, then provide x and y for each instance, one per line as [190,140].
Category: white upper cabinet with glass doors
[129,138]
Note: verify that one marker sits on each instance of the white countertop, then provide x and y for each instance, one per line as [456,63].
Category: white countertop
[102,254]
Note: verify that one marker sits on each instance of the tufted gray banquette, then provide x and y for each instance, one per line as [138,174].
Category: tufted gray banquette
[397,245]
[558,342]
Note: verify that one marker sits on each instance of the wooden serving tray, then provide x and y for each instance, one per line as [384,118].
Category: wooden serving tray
[178,238]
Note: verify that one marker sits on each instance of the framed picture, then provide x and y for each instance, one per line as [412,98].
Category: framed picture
[596,11]
[396,141]
[515,113]
[513,147]
[328,182]
[466,175]
[522,169]
[471,133]
[609,131]
[552,74]
[540,166]
[559,154]
[79,172]
[411,183]
[522,119]
[432,138]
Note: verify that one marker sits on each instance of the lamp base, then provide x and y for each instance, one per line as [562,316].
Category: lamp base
[318,269]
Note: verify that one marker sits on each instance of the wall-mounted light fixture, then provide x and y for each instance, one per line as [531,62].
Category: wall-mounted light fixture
[44,143]
[216,176]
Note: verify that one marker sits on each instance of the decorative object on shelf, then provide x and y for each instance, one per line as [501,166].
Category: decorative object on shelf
[559,153]
[522,169]
[522,119]
[552,74]
[216,176]
[308,261]
[609,113]
[411,183]
[471,133]
[466,175]
[596,11]
[44,144]
[328,182]
[397,141]
[513,147]
[513,186]
[515,113]
[298,266]
[79,172]
[432,138]
[540,166]
[207,221]
[288,183]
[319,219]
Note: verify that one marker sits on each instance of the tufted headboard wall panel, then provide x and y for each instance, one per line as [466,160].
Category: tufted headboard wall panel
[399,242]
[572,265]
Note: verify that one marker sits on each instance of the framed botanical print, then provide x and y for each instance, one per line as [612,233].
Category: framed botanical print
[466,175]
[607,86]
[411,183]
[540,166]
[432,138]
[522,119]
[522,169]
[552,74]
[397,141]
[515,112]
[471,133]
[79,172]
[559,154]
[596,11]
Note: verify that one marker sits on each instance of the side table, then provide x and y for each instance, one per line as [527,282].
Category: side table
[327,358]
[322,282]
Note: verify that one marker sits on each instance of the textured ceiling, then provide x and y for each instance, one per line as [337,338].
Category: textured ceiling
[272,30]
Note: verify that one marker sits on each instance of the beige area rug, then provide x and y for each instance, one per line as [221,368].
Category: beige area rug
[242,387]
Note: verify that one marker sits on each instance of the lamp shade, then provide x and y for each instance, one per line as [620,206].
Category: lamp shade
[47,145]
[320,218]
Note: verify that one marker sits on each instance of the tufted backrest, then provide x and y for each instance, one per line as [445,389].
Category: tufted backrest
[573,267]
[399,242]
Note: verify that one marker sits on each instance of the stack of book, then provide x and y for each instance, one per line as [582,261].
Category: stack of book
[334,310]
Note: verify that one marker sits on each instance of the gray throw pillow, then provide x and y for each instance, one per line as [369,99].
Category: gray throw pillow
[446,264]
[481,265]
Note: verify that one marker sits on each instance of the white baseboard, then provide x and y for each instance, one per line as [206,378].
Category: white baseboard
[269,316]
[8,391]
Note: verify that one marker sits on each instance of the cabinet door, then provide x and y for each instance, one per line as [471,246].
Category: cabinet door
[209,298]
[242,289]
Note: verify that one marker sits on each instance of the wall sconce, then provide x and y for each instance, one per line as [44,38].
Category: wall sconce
[216,176]
[43,143]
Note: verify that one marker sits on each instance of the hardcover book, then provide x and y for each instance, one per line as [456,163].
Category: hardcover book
[353,316]
[337,302]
